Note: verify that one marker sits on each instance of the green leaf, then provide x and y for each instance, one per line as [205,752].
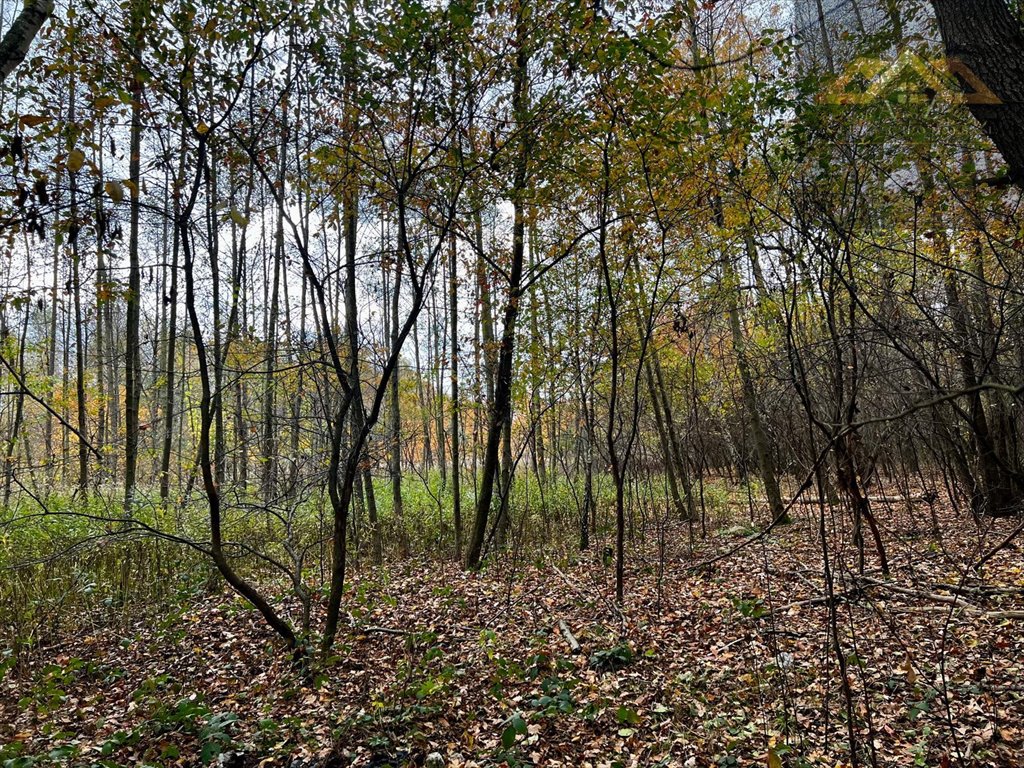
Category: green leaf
[211,750]
[519,724]
[508,737]
[627,716]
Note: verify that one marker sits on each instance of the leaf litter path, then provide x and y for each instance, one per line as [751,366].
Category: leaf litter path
[532,664]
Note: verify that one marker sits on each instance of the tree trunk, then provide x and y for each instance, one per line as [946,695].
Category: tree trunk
[133,360]
[76,258]
[172,338]
[762,449]
[500,406]
[23,31]
[985,45]
[19,409]
[395,412]
[453,297]
[206,417]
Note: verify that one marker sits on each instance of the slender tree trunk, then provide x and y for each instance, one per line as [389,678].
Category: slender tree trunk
[133,359]
[19,409]
[826,39]
[270,441]
[421,398]
[762,449]
[51,362]
[453,309]
[395,412]
[104,295]
[210,487]
[172,336]
[678,455]
[666,447]
[75,227]
[500,406]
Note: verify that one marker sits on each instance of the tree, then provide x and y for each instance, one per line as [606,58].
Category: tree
[985,44]
[499,416]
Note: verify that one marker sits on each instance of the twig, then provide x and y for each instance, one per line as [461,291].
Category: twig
[953,600]
[569,638]
[579,591]
[999,547]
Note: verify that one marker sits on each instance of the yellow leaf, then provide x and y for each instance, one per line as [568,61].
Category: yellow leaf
[238,218]
[76,159]
[114,190]
[103,102]
[909,669]
[774,761]
[202,129]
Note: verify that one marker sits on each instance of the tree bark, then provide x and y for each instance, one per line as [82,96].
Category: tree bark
[500,406]
[395,407]
[206,417]
[15,45]
[76,258]
[133,359]
[453,295]
[985,44]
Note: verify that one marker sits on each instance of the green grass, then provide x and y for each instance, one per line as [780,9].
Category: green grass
[79,558]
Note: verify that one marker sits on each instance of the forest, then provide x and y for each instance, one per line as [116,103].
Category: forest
[508,383]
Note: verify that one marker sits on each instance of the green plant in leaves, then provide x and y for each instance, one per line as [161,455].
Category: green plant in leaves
[215,736]
[751,608]
[515,726]
[611,659]
[556,697]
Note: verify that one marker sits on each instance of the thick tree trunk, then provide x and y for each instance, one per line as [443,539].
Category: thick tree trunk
[985,44]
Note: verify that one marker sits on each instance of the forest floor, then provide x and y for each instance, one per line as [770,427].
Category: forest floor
[728,665]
